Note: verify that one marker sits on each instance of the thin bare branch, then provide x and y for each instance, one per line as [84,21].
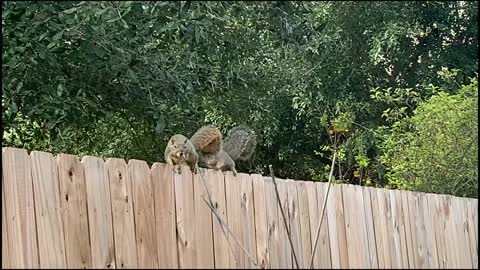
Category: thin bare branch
[231,233]
[283,216]
[210,205]
[323,209]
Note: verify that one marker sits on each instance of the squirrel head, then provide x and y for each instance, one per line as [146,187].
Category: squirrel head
[179,148]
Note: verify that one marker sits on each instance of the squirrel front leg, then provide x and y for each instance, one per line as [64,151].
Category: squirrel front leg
[176,168]
[194,162]
[169,161]
[194,167]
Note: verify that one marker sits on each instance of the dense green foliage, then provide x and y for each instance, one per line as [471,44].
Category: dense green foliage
[436,150]
[374,80]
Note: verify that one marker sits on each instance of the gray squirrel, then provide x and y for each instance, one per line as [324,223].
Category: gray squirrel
[207,148]
[240,144]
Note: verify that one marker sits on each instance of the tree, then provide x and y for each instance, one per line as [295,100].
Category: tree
[436,149]
[74,73]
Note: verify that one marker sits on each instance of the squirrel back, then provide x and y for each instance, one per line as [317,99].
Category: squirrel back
[207,139]
[240,143]
[219,161]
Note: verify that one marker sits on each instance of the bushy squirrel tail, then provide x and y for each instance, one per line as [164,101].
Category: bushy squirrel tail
[207,139]
[240,143]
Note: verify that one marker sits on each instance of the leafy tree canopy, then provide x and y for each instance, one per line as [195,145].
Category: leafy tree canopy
[119,78]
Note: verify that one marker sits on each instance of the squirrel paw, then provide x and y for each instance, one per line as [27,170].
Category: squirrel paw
[178,169]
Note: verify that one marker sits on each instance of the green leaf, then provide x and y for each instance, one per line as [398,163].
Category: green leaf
[132,75]
[100,12]
[166,27]
[19,86]
[42,36]
[70,11]
[59,90]
[51,45]
[197,34]
[57,36]
[13,107]
[160,125]
[114,19]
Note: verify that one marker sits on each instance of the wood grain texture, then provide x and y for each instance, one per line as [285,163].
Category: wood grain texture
[392,229]
[20,213]
[143,204]
[222,250]
[370,228]
[66,213]
[453,257]
[232,195]
[261,231]
[304,223]
[355,226]
[420,243]
[73,199]
[414,255]
[402,228]
[185,209]
[336,227]
[247,218]
[285,247]
[432,253]
[399,228]
[471,214]
[51,243]
[99,213]
[203,223]
[474,213]
[435,207]
[323,246]
[408,231]
[6,254]
[380,223]
[362,227]
[165,215]
[273,225]
[462,242]
[314,213]
[121,196]
[294,221]
[444,222]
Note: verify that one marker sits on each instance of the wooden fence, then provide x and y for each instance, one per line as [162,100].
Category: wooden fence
[63,212]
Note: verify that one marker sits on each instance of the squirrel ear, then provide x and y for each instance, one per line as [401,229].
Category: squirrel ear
[186,139]
[173,140]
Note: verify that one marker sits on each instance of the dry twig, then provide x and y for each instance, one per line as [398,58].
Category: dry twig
[283,216]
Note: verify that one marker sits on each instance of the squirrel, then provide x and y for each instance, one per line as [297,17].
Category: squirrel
[239,145]
[207,139]
[219,161]
[179,151]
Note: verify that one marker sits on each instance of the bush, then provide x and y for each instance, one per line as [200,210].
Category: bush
[436,149]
